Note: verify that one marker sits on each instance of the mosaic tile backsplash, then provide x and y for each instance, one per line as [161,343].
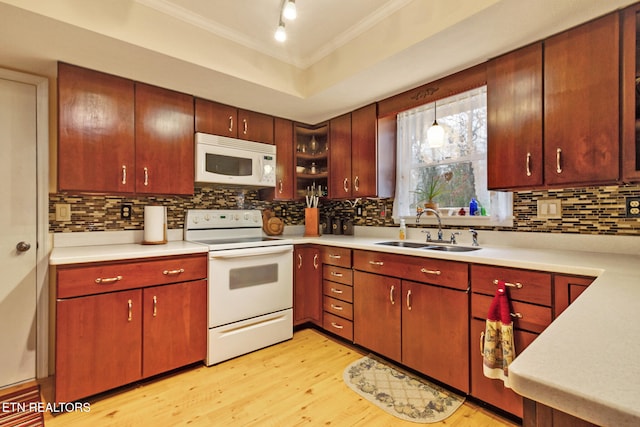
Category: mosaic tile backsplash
[589,210]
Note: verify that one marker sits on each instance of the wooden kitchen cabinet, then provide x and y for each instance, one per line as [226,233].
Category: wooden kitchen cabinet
[630,94]
[96,148]
[340,183]
[307,302]
[119,136]
[337,290]
[226,120]
[359,162]
[285,167]
[98,343]
[514,119]
[406,307]
[106,332]
[377,314]
[174,326]
[531,306]
[164,141]
[582,104]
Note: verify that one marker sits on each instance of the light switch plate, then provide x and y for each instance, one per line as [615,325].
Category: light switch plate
[63,212]
[549,209]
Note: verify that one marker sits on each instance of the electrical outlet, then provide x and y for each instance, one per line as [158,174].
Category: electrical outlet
[125,211]
[633,207]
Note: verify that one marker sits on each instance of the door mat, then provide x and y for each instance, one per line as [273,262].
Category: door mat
[400,393]
[21,408]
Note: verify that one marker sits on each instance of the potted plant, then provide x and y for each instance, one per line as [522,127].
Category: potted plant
[428,190]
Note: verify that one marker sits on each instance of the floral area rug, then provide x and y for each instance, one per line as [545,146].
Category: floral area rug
[400,393]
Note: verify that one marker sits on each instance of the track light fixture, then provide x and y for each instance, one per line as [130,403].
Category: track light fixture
[287,11]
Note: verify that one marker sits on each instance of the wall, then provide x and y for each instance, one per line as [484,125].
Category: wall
[590,210]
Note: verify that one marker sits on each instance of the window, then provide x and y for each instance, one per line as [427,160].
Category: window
[457,171]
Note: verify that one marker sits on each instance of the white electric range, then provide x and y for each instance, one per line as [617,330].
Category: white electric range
[250,281]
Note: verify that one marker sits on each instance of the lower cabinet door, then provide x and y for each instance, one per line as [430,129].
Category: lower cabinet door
[175,326]
[98,343]
[435,332]
[376,313]
[491,390]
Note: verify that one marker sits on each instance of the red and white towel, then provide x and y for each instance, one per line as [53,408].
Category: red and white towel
[498,350]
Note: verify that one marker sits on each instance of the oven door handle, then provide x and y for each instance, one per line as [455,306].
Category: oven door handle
[246,252]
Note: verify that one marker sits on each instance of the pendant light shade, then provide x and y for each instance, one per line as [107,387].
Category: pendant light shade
[435,134]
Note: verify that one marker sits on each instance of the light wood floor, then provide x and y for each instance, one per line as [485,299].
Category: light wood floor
[295,383]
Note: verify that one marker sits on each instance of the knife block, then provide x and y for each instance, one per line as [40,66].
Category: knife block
[311,222]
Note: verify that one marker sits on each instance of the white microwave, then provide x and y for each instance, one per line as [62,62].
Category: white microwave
[224,160]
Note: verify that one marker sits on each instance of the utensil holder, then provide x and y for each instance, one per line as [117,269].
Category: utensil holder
[311,222]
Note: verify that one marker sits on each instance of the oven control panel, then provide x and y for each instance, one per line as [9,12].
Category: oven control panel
[197,219]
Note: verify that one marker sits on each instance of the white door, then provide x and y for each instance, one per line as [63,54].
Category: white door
[18,232]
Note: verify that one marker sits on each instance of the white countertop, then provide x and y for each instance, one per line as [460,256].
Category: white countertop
[585,363]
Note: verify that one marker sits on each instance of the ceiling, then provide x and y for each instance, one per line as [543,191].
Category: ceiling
[339,54]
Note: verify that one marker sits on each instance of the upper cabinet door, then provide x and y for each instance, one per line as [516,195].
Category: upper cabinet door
[364,161]
[630,94]
[283,132]
[216,119]
[340,157]
[514,119]
[95,131]
[254,126]
[581,104]
[164,141]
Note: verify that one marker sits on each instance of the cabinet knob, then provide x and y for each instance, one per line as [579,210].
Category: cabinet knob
[23,246]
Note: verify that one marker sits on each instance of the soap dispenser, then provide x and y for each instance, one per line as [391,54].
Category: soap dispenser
[402,233]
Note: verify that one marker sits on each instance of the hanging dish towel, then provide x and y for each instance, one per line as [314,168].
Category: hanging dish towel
[498,350]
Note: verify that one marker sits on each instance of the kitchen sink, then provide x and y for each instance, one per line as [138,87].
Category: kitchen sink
[402,244]
[450,248]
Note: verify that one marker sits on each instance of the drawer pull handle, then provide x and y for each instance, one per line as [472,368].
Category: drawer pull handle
[333,273]
[315,261]
[335,256]
[393,288]
[336,291]
[528,164]
[376,262]
[155,306]
[482,344]
[107,280]
[517,315]
[516,285]
[173,272]
[426,271]
[299,261]
[130,306]
[335,325]
[230,123]
[409,299]
[337,307]
[559,160]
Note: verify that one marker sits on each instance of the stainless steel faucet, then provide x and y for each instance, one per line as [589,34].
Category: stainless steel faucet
[437,214]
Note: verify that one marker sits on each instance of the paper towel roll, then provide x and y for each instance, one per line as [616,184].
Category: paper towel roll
[155,225]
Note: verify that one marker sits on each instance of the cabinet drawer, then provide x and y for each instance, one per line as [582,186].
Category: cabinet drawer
[337,307]
[337,274]
[338,326]
[528,317]
[336,256]
[337,290]
[78,280]
[536,286]
[451,274]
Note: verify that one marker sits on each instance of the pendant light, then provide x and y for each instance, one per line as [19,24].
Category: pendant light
[435,134]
